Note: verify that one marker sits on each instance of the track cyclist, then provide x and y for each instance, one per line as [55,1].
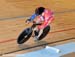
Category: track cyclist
[42,15]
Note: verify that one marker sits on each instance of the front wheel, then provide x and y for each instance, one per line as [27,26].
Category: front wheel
[24,36]
[45,32]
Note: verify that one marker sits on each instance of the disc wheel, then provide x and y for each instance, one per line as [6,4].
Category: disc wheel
[24,36]
[45,32]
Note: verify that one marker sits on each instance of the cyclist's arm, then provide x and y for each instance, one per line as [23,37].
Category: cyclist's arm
[32,17]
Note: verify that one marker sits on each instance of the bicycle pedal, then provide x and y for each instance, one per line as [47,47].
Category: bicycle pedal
[36,40]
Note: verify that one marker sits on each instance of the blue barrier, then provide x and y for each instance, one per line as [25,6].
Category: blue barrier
[65,49]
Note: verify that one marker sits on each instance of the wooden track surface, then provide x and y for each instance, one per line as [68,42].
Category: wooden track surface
[13,14]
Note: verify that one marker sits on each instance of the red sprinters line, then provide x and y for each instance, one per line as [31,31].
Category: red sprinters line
[4,41]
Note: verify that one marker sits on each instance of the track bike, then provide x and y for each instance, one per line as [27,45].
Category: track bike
[27,33]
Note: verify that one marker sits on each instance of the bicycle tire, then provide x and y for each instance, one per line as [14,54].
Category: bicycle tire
[22,39]
[45,32]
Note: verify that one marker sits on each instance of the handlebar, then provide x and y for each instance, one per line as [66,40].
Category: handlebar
[34,24]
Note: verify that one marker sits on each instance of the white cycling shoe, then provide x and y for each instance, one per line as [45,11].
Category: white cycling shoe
[36,38]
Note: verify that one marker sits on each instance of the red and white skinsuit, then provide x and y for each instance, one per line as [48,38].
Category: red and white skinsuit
[47,17]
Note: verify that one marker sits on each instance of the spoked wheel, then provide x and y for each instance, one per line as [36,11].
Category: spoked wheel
[45,32]
[24,36]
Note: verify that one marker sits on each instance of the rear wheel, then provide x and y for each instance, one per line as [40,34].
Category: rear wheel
[45,32]
[24,36]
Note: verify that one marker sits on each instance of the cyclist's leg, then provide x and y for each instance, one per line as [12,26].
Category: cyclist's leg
[41,28]
[38,31]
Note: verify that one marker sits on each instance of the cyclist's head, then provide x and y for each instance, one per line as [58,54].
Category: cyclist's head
[39,10]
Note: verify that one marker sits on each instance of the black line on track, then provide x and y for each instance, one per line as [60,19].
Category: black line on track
[37,46]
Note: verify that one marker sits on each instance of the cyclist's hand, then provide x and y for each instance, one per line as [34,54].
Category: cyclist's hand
[27,21]
[34,22]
